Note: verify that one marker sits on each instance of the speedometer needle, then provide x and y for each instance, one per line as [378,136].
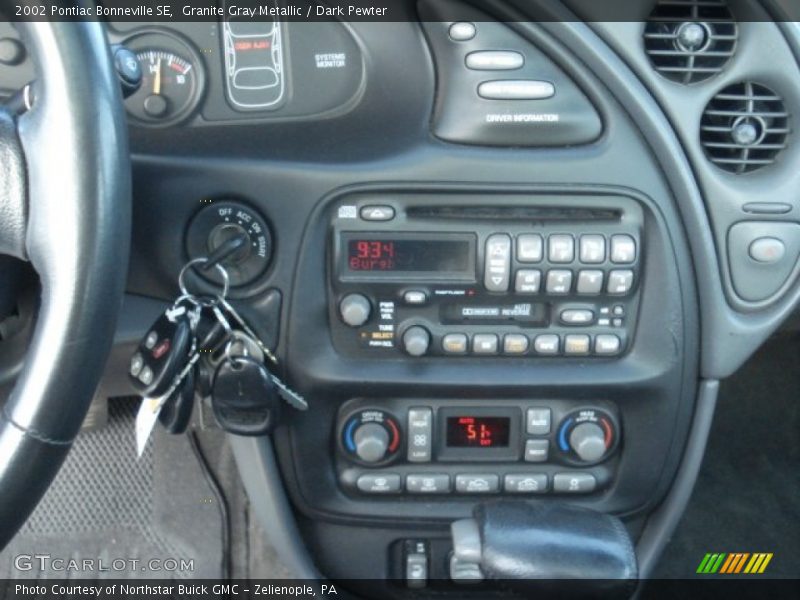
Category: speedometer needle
[157,80]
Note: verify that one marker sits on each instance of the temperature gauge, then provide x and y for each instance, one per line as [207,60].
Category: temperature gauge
[171,82]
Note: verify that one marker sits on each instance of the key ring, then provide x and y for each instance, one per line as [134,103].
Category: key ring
[201,261]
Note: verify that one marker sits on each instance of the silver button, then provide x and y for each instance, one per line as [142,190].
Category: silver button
[523,483]
[497,266]
[137,362]
[590,282]
[538,421]
[484,343]
[428,484]
[561,248]
[607,345]
[477,484]
[462,31]
[623,249]
[516,89]
[576,316]
[379,483]
[150,340]
[576,344]
[529,248]
[494,60]
[454,343]
[620,282]
[546,344]
[559,281]
[592,249]
[420,428]
[146,376]
[515,343]
[767,250]
[415,297]
[528,281]
[574,483]
[377,213]
[537,450]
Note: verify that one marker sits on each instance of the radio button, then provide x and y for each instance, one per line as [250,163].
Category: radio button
[538,421]
[590,282]
[515,343]
[559,282]
[497,269]
[576,344]
[607,345]
[574,483]
[420,430]
[623,249]
[530,248]
[620,282]
[592,249]
[477,484]
[415,297]
[547,344]
[525,483]
[528,281]
[377,213]
[484,343]
[454,343]
[561,248]
[379,483]
[428,484]
[416,340]
[355,309]
[577,316]
[537,450]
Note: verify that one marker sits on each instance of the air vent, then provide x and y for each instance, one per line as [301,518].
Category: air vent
[744,127]
[690,40]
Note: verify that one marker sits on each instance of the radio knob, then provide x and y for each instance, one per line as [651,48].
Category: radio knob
[372,442]
[588,442]
[416,340]
[355,309]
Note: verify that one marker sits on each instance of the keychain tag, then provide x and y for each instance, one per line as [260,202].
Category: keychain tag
[145,421]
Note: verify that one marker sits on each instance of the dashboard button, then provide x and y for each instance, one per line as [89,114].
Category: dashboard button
[561,248]
[428,484]
[620,282]
[498,263]
[559,282]
[415,297]
[454,343]
[623,249]
[524,483]
[592,249]
[494,60]
[528,281]
[477,484]
[379,483]
[529,248]
[537,450]
[462,31]
[576,316]
[420,429]
[607,345]
[538,421]
[576,344]
[590,282]
[484,343]
[574,483]
[516,89]
[377,213]
[767,250]
[515,343]
[547,344]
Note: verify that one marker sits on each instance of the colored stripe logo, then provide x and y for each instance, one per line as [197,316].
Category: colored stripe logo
[734,563]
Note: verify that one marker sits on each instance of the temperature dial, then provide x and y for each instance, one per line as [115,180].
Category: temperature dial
[221,223]
[371,437]
[587,436]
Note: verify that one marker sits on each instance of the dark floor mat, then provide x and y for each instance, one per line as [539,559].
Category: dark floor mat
[110,508]
[747,498]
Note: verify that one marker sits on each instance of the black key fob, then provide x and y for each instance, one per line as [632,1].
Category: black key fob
[177,410]
[161,355]
[244,398]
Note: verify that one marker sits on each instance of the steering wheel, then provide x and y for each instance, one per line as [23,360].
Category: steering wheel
[65,207]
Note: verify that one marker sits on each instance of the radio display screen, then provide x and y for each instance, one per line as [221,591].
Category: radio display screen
[408,255]
[478,432]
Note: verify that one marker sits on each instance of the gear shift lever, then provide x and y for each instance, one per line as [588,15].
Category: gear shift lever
[544,547]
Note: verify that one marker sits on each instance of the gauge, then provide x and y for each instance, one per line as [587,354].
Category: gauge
[171,79]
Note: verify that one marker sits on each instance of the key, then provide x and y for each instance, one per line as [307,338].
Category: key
[164,350]
[244,398]
[247,329]
[176,412]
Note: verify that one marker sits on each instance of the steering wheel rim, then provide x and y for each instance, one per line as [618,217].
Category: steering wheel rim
[68,156]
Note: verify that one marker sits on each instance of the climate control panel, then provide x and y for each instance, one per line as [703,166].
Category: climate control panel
[473,447]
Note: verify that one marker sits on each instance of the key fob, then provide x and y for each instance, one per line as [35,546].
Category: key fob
[161,355]
[244,398]
[177,409]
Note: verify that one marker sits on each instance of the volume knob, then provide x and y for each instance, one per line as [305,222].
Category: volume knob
[355,309]
[588,442]
[372,442]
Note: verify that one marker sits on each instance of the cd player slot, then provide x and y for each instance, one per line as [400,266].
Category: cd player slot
[514,213]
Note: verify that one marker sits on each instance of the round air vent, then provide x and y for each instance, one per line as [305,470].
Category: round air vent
[744,127]
[690,40]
